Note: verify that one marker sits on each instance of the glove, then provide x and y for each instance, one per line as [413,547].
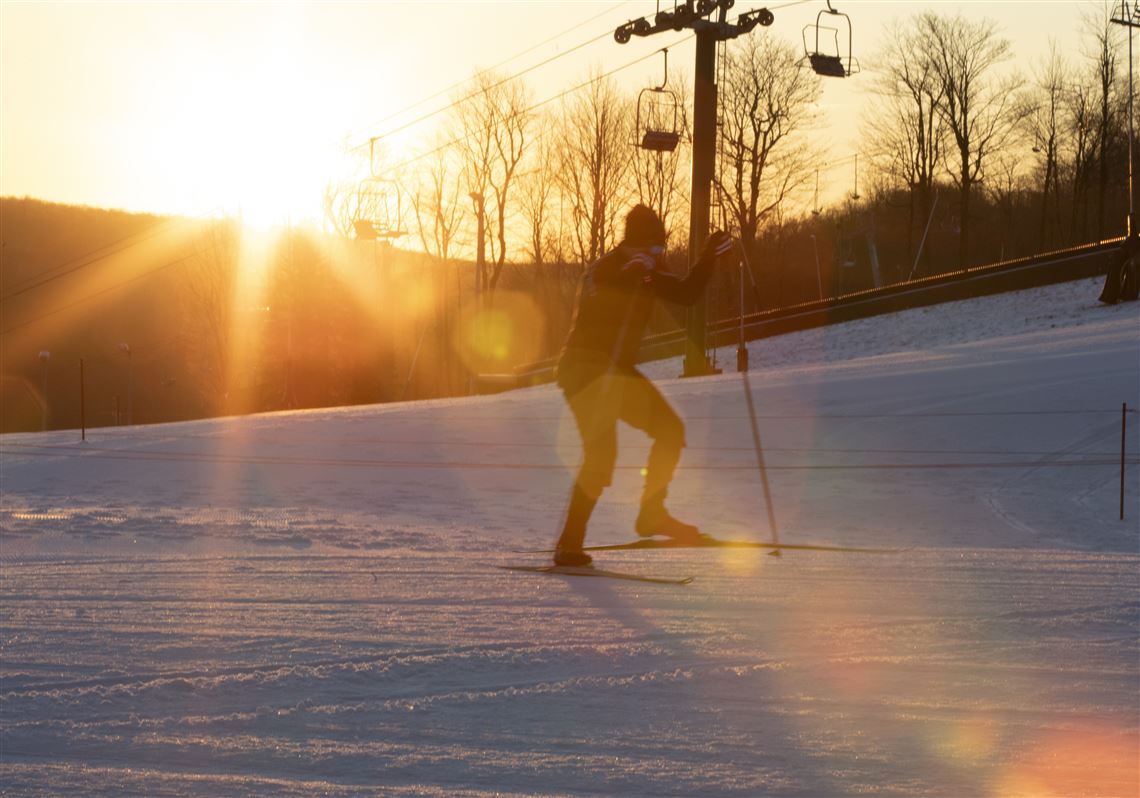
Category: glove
[719,243]
[642,263]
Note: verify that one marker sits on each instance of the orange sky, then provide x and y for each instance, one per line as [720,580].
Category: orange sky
[210,107]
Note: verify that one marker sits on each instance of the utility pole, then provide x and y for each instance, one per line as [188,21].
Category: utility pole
[1130,18]
[697,15]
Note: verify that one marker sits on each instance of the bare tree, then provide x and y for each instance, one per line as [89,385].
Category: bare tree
[905,133]
[541,202]
[538,186]
[1079,153]
[208,291]
[494,125]
[766,100]
[979,108]
[438,213]
[1006,187]
[593,141]
[436,205]
[1102,54]
[1044,118]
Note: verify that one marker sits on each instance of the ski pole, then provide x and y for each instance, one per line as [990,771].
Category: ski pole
[760,462]
[756,429]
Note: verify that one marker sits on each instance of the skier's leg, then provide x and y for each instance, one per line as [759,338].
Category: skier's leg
[644,407]
[1110,293]
[597,425]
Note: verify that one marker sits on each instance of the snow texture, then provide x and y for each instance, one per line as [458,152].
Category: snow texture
[306,603]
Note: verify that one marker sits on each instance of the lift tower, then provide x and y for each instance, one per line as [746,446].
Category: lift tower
[698,16]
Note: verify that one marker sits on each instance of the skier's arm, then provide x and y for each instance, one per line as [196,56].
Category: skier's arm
[688,289]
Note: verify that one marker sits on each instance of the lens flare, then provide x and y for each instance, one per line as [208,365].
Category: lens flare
[501,336]
[1095,759]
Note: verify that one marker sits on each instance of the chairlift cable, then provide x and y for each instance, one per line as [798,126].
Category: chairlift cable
[479,91]
[413,159]
[505,61]
[520,74]
[116,247]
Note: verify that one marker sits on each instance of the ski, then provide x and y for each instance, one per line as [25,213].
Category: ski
[569,570]
[706,542]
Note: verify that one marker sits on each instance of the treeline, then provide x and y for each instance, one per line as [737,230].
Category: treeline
[464,258]
[176,319]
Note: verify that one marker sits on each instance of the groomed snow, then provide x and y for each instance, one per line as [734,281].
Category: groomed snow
[306,603]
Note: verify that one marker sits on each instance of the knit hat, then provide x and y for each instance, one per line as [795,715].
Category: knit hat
[643,228]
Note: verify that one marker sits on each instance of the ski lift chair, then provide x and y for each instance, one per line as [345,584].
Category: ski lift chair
[379,214]
[658,118]
[835,63]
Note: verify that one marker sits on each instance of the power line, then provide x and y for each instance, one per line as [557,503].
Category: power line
[514,57]
[452,142]
[96,255]
[75,264]
[89,297]
[508,79]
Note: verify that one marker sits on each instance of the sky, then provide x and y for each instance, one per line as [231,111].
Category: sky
[219,107]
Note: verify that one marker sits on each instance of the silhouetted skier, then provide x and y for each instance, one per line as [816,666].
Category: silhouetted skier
[602,385]
[1121,281]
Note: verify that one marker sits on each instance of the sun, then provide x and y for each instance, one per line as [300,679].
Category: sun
[255,139]
[273,160]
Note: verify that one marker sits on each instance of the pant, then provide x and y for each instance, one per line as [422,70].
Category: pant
[599,401]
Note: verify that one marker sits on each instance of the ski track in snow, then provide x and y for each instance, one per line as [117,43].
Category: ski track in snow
[305,603]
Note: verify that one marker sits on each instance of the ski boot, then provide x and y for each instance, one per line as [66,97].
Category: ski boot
[656,520]
[572,558]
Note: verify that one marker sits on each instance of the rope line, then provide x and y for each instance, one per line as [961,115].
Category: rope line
[72,452]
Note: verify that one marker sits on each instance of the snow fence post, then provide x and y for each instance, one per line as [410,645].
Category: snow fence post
[82,405]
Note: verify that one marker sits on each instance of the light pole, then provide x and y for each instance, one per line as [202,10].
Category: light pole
[125,348]
[44,357]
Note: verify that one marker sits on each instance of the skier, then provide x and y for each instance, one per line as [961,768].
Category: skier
[1121,281]
[597,373]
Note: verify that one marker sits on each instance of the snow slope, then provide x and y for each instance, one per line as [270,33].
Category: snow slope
[305,603]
